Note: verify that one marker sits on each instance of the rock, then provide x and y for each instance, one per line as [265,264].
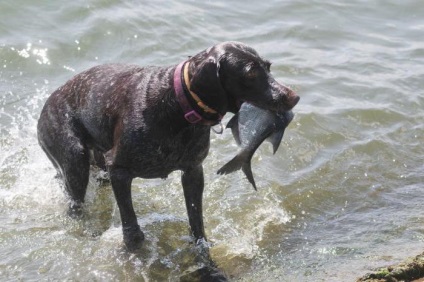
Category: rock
[412,270]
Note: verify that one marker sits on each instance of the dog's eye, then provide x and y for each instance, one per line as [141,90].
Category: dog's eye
[252,73]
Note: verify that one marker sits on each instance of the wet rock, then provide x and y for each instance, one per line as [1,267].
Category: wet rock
[411,270]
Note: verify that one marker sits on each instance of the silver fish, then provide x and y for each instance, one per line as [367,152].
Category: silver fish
[250,127]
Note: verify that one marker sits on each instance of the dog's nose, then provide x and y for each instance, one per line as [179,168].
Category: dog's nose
[292,98]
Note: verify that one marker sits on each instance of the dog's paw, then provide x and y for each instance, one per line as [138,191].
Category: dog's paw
[133,238]
[75,210]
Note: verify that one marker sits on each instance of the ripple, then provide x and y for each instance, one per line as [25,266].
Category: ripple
[350,164]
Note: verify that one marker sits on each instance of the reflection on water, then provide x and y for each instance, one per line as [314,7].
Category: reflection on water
[342,195]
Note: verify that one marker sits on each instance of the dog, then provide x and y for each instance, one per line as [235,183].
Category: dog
[150,121]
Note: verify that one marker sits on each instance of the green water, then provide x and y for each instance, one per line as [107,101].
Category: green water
[343,195]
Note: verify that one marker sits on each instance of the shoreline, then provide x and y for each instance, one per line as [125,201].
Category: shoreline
[410,270]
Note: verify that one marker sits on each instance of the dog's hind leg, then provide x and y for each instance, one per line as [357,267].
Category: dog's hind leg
[97,159]
[70,156]
[76,168]
[98,165]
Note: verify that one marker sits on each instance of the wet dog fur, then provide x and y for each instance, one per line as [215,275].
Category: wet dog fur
[130,118]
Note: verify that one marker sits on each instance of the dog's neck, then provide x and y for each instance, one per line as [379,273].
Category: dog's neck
[195,110]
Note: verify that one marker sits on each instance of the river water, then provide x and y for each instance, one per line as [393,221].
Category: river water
[342,196]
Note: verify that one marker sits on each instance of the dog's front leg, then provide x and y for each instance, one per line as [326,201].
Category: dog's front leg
[193,183]
[121,184]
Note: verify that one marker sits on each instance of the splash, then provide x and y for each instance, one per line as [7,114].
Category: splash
[26,175]
[242,228]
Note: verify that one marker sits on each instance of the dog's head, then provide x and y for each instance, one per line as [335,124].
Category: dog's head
[230,73]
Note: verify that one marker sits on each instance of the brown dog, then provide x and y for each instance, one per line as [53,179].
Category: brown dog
[149,121]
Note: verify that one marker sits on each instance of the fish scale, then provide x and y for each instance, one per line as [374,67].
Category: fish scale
[250,127]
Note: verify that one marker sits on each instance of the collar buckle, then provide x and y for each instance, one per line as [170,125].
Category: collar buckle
[193,117]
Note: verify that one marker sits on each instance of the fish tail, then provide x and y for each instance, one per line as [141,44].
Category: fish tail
[241,161]
[248,172]
[233,165]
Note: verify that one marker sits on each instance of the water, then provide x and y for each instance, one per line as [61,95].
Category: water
[342,196]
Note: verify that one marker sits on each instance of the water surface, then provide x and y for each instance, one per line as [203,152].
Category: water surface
[342,196]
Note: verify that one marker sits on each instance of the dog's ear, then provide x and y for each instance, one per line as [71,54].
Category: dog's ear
[206,83]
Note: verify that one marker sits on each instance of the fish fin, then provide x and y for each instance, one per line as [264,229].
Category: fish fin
[275,139]
[233,121]
[241,161]
[248,172]
[233,165]
[233,124]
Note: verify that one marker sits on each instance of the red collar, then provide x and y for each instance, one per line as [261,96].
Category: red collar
[180,78]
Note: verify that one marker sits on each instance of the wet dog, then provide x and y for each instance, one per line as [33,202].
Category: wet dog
[150,121]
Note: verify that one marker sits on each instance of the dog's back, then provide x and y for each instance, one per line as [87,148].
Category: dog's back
[112,104]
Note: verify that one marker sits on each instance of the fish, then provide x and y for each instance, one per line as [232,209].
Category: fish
[250,127]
